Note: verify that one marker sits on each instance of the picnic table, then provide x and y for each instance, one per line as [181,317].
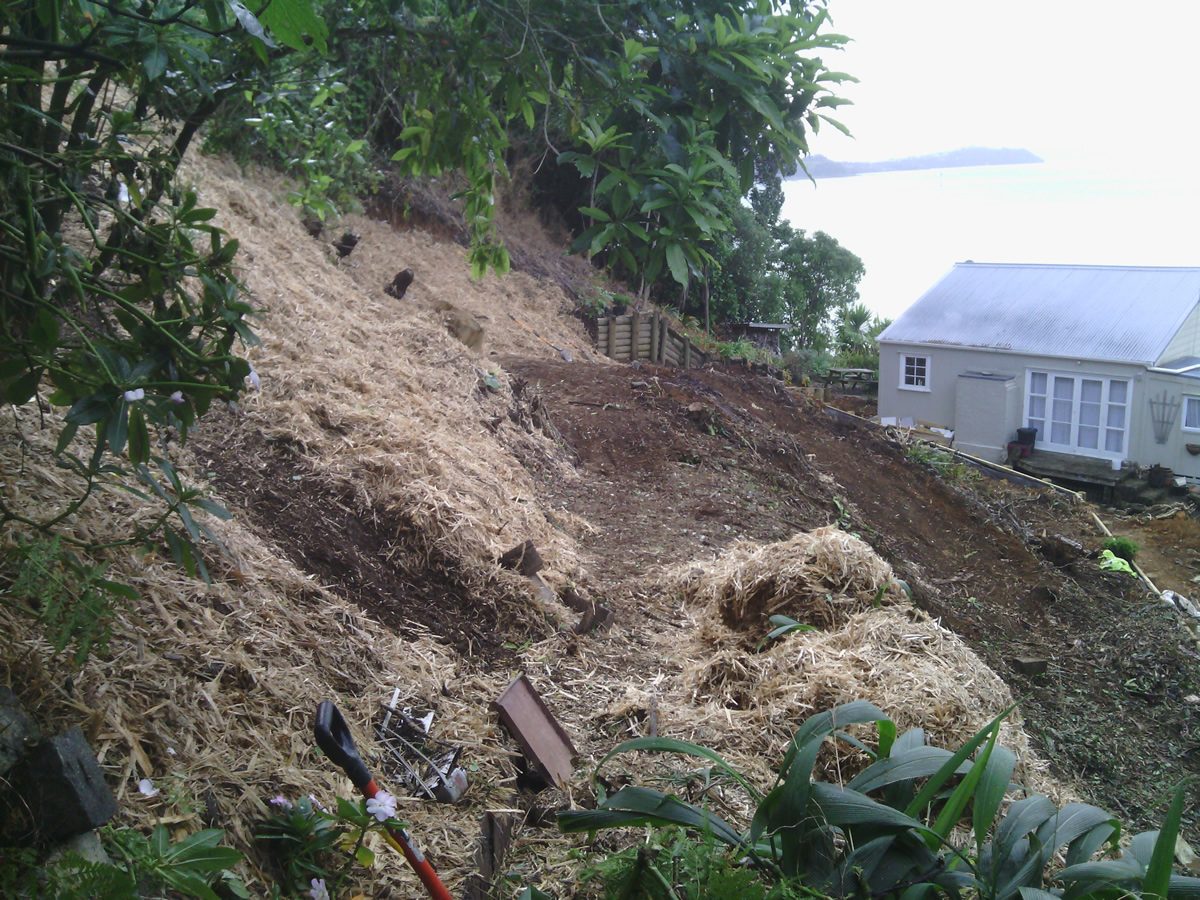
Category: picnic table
[851,378]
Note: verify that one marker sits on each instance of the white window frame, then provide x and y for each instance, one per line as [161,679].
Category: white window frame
[1043,435]
[1188,399]
[904,358]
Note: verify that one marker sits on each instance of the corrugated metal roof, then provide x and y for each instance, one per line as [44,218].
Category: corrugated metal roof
[1117,313]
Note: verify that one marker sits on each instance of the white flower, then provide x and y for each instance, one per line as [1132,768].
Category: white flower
[123,194]
[177,397]
[317,804]
[135,394]
[255,381]
[382,806]
[281,802]
[146,788]
[318,890]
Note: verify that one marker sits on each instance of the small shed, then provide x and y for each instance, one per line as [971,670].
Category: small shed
[761,334]
[1104,361]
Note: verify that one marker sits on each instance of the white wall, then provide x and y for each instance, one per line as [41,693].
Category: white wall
[1173,453]
[946,363]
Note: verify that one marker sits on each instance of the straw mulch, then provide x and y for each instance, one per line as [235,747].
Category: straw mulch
[377,393]
[820,577]
[895,656]
[209,690]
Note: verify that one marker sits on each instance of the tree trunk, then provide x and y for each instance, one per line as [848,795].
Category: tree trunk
[707,322]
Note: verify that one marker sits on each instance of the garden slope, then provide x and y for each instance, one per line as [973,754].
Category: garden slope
[384,466]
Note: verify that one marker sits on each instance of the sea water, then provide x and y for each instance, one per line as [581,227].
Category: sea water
[909,228]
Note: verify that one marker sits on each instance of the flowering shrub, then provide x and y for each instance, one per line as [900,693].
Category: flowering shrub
[315,850]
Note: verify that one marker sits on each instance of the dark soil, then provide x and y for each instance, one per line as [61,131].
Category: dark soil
[364,553]
[679,463]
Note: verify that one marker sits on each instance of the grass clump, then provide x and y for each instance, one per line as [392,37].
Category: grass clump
[1122,547]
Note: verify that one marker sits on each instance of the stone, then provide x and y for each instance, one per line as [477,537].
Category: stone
[345,244]
[1029,665]
[63,787]
[86,846]
[523,558]
[399,285]
[18,732]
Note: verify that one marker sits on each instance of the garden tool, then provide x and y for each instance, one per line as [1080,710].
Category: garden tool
[335,740]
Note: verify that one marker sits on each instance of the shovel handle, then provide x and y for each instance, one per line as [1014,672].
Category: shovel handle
[334,738]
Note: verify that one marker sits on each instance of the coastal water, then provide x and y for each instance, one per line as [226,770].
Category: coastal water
[909,228]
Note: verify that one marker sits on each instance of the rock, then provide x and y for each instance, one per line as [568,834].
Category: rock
[462,325]
[1060,550]
[524,558]
[63,787]
[400,284]
[566,354]
[18,732]
[1029,665]
[346,243]
[86,846]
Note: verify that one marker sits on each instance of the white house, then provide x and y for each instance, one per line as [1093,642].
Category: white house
[1104,361]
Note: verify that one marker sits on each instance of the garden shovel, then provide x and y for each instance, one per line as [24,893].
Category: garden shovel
[334,739]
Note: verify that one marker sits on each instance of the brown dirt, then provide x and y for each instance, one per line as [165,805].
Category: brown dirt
[1169,549]
[364,554]
[673,463]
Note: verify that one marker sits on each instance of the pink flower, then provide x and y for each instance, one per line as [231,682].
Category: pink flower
[281,802]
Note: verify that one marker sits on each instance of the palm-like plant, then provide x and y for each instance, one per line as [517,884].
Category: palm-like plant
[887,831]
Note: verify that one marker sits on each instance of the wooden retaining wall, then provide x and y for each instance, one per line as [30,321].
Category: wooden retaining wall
[646,336]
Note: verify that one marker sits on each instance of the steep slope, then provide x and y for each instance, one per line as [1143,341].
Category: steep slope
[382,469]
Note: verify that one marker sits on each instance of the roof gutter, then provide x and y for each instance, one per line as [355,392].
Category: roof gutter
[936,346]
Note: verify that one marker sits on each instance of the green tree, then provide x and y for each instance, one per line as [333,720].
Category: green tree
[119,303]
[819,277]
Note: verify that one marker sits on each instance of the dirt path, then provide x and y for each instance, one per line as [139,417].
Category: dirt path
[678,465]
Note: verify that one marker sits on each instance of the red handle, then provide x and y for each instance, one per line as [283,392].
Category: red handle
[416,859]
[334,739]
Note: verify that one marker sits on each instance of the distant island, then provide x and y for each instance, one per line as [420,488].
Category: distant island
[823,167]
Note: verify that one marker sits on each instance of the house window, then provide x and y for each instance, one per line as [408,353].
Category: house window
[1080,414]
[1191,413]
[914,372]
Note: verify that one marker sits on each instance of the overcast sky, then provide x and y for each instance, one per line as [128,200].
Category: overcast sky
[1063,78]
[1107,94]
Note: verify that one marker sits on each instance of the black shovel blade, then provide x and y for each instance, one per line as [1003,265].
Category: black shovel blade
[334,738]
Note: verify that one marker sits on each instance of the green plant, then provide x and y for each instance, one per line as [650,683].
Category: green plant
[309,844]
[192,866]
[195,866]
[888,830]
[1122,547]
[71,599]
[119,302]
[302,123]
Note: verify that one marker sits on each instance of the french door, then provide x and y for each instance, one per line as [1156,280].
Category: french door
[1083,414]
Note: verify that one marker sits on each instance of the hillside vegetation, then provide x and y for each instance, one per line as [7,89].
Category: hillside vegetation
[242,477]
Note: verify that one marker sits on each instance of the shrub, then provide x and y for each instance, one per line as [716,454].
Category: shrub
[1122,547]
[888,830]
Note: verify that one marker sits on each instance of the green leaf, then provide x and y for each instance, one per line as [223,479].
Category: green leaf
[250,23]
[643,806]
[989,794]
[950,767]
[842,806]
[962,794]
[139,437]
[292,21]
[920,762]
[21,390]
[672,745]
[365,857]
[155,62]
[597,214]
[1158,873]
[677,263]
